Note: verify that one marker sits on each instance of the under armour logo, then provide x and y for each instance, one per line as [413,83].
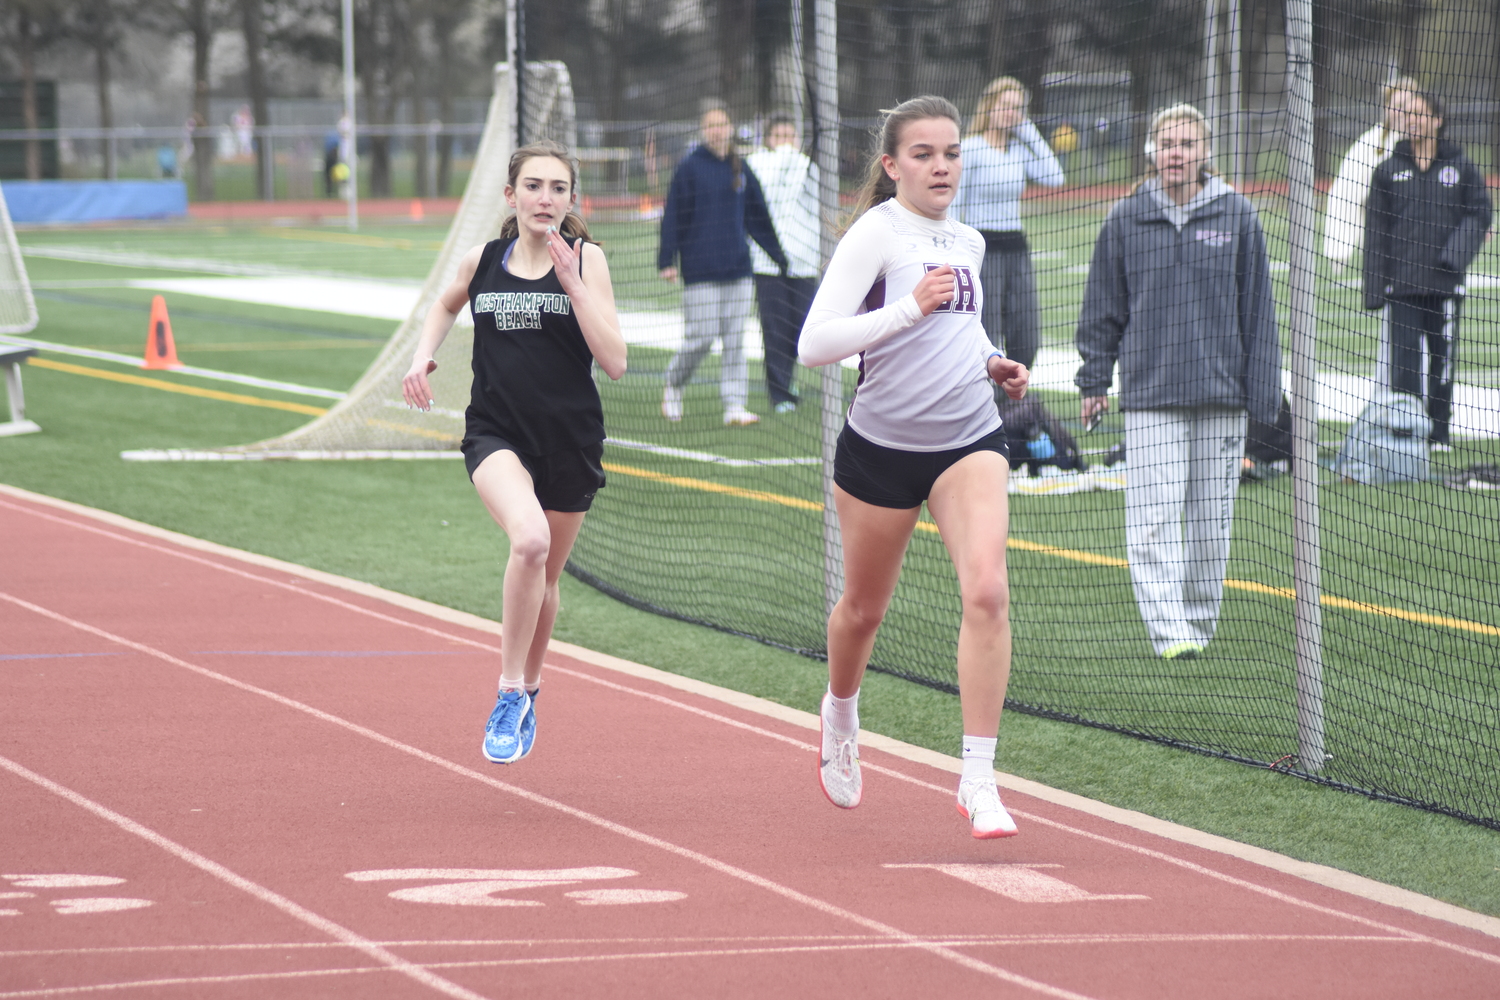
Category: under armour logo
[941,242]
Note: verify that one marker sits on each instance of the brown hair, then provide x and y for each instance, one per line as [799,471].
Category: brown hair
[878,186]
[1171,116]
[572,226]
[980,123]
[709,107]
[1400,85]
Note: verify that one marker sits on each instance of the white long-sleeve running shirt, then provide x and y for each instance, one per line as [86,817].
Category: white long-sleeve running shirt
[923,381]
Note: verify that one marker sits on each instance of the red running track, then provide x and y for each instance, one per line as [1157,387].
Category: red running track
[226,777]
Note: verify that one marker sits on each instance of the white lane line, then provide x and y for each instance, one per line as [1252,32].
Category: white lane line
[260,892]
[697,953]
[180,541]
[722,867]
[954,940]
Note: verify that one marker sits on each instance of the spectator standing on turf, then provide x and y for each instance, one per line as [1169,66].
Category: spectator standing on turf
[903,292]
[544,314]
[1003,152]
[712,203]
[789,181]
[1426,217]
[1344,224]
[1179,296]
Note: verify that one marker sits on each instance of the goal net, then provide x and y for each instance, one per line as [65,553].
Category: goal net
[17,307]
[373,420]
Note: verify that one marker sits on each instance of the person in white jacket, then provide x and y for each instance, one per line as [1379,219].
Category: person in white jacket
[789,181]
[1344,225]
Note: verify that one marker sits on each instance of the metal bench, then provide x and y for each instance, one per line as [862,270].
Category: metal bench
[10,363]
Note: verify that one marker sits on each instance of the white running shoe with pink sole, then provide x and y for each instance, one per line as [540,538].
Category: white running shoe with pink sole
[979,803]
[838,765]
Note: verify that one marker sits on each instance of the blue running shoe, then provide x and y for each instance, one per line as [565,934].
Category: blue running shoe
[528,724]
[502,734]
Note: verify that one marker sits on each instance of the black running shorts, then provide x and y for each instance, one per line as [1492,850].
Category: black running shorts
[565,481]
[890,477]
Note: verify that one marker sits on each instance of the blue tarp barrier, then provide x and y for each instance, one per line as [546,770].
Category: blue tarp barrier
[91,201]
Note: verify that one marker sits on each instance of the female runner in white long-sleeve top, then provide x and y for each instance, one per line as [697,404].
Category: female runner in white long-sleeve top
[903,292]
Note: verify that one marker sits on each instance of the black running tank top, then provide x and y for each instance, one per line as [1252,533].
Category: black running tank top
[533,371]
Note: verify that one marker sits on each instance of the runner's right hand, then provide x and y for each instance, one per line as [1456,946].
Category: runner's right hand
[935,288]
[414,387]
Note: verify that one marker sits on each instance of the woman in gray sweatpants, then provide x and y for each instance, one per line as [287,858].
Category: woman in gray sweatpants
[1179,297]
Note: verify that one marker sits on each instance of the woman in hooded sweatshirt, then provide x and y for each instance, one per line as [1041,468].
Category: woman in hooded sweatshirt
[714,202]
[1179,297]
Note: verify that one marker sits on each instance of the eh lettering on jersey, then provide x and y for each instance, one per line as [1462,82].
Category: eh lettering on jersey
[963,300]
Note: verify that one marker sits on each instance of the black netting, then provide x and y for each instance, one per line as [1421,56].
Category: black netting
[724,524]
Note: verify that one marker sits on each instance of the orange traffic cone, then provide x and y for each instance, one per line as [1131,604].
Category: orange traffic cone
[161,352]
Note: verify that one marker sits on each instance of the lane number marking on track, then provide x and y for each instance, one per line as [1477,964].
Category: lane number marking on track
[477,886]
[1022,882]
[69,906]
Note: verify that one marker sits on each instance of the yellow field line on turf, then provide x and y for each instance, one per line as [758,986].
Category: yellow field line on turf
[710,487]
[186,390]
[1076,555]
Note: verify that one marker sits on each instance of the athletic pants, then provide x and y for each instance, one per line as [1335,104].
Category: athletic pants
[1430,321]
[1184,469]
[715,309]
[1011,317]
[783,309]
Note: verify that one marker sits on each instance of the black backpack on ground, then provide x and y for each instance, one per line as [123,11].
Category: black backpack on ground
[1037,438]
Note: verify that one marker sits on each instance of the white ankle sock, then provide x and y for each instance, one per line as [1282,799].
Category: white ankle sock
[979,757]
[843,713]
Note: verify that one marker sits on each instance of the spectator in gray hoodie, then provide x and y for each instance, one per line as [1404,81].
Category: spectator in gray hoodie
[1179,296]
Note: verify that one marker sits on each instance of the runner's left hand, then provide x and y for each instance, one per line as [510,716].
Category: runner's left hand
[564,262]
[1011,376]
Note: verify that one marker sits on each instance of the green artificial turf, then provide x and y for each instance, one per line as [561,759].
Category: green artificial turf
[419,529]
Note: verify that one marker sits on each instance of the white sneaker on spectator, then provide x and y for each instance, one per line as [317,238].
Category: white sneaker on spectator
[738,416]
[671,403]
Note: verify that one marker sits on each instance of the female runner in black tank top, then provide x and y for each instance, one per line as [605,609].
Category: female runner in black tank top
[544,311]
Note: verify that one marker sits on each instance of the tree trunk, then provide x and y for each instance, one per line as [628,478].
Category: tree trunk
[1140,104]
[994,55]
[1411,37]
[252,16]
[417,82]
[106,106]
[203,139]
[28,93]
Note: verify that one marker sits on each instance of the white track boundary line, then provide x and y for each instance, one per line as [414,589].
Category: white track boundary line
[1333,878]
[722,867]
[297,912]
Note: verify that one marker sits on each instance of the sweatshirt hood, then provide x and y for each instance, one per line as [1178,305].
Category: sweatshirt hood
[1214,187]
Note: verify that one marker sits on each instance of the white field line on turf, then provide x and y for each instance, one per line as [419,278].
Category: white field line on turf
[952,940]
[297,912]
[165,262]
[194,455]
[491,963]
[1355,885]
[722,867]
[205,373]
[1064,827]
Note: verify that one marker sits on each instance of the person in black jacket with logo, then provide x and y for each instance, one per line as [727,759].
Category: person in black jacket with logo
[1426,218]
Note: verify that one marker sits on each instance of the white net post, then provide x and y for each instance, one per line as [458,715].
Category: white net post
[17,306]
[826,106]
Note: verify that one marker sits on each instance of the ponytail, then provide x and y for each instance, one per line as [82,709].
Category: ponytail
[878,185]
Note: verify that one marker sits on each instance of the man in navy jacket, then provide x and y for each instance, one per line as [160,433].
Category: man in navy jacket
[1425,220]
[713,202]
